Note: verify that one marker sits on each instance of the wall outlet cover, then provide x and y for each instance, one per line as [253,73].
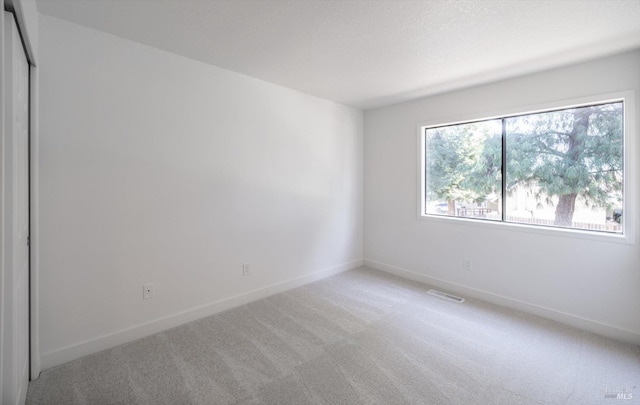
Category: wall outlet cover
[147,291]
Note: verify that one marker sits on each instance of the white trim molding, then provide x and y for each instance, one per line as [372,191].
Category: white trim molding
[85,348]
[34,223]
[590,325]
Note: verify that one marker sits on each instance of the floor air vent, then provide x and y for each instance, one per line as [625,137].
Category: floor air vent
[446,296]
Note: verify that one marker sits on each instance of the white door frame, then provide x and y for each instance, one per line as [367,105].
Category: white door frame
[28,36]
[2,199]
[16,345]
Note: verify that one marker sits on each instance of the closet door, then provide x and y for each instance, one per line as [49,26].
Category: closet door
[16,217]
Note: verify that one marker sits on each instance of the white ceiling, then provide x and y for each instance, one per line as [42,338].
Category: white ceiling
[369,53]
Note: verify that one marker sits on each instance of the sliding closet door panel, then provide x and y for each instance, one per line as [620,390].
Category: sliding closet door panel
[16,351]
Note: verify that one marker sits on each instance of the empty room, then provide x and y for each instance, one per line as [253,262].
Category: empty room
[320,202]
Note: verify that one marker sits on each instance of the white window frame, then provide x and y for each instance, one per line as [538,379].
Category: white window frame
[630,176]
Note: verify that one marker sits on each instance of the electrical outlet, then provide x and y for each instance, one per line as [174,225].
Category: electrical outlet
[246,270]
[147,291]
[466,264]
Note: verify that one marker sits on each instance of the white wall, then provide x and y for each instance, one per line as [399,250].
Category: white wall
[587,283]
[157,168]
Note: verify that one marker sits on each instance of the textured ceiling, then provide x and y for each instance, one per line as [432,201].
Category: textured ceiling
[369,53]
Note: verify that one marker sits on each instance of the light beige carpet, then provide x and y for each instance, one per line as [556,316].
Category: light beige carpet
[361,337]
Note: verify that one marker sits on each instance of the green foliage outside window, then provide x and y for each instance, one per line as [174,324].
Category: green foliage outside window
[559,159]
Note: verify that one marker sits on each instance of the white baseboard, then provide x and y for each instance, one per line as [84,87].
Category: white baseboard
[95,345]
[579,322]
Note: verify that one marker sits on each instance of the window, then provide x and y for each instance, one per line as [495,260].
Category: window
[558,168]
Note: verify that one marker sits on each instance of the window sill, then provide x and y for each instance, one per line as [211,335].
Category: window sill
[625,238]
